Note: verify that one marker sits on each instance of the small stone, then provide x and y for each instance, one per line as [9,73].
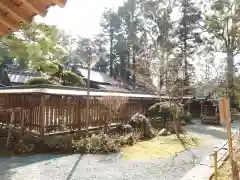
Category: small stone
[163,132]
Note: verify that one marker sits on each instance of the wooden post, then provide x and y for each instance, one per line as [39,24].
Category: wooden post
[201,109]
[214,155]
[88,94]
[10,126]
[225,115]
[42,116]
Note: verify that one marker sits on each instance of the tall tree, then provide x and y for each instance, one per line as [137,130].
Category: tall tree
[111,25]
[102,54]
[130,16]
[221,24]
[159,26]
[188,39]
[99,51]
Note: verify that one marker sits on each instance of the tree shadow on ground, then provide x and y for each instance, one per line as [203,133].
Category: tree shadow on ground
[8,164]
[9,161]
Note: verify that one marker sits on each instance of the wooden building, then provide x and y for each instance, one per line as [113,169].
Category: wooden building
[16,12]
[20,77]
[100,80]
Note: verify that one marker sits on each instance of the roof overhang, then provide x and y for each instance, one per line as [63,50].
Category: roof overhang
[15,12]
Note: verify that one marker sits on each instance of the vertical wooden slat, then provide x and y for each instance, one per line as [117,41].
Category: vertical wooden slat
[42,115]
[48,118]
[56,100]
[68,103]
[22,123]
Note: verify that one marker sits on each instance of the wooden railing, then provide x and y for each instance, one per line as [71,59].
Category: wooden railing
[46,108]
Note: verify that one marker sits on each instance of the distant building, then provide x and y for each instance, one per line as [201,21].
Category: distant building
[20,77]
[100,80]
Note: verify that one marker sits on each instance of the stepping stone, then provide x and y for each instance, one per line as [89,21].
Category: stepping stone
[199,172]
[207,161]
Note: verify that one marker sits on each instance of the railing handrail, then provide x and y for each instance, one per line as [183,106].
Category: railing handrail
[226,142]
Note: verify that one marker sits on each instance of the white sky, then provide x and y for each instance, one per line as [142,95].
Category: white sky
[79,17]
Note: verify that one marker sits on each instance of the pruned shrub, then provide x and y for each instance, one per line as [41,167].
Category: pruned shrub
[172,111]
[103,143]
[69,78]
[140,121]
[22,148]
[186,117]
[39,80]
[100,143]
[165,109]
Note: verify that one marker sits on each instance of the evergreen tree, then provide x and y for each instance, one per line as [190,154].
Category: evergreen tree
[188,39]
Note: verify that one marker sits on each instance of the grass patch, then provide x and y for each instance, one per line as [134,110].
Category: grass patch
[158,147]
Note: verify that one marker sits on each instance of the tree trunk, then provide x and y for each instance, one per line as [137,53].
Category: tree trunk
[111,52]
[230,74]
[134,69]
[176,128]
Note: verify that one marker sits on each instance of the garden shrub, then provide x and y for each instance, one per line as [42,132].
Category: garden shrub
[22,148]
[186,117]
[101,143]
[69,78]
[39,80]
[142,122]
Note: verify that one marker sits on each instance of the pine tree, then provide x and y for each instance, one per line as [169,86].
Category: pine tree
[188,39]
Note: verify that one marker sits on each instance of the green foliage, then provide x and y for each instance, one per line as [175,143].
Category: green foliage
[21,148]
[166,109]
[56,73]
[186,117]
[71,79]
[39,80]
[100,143]
[35,43]
[50,68]
[219,25]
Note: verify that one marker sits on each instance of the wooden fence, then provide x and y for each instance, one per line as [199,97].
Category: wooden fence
[45,108]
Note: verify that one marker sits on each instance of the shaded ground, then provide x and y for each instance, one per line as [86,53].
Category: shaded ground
[91,167]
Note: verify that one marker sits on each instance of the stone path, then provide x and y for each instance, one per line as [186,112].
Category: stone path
[90,167]
[204,169]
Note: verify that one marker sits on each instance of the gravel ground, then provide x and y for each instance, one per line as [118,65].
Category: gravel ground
[90,167]
[107,167]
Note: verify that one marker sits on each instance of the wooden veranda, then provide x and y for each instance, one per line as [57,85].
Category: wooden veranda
[45,108]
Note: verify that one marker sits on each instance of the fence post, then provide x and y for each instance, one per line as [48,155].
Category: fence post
[214,155]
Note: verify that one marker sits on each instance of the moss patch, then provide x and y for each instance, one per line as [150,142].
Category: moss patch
[159,147]
[224,173]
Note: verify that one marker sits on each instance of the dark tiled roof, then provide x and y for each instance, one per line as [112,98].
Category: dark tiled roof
[21,76]
[97,76]
[113,88]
